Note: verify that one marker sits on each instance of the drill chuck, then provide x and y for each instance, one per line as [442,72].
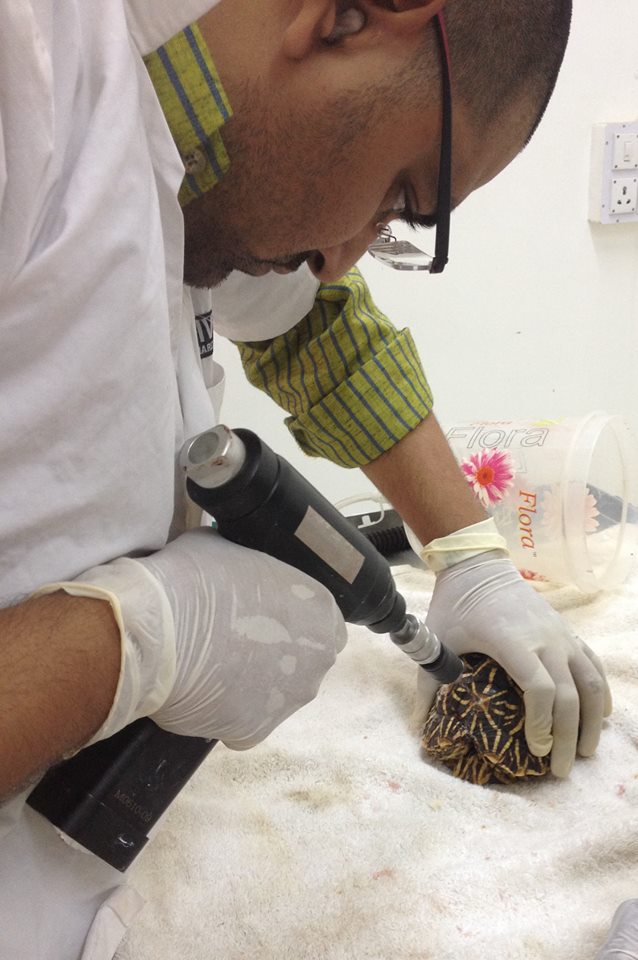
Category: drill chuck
[424,647]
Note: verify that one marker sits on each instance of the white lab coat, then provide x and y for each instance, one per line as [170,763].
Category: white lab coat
[101,378]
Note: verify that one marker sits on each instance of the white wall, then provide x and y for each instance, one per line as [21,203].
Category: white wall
[536,314]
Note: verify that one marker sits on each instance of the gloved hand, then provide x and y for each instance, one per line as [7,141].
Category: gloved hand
[482,604]
[622,942]
[218,641]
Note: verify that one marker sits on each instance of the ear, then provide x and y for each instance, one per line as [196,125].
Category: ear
[313,21]
[330,21]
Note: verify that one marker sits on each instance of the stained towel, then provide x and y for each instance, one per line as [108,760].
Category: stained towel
[335,840]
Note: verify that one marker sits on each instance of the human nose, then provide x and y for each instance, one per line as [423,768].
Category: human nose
[331,263]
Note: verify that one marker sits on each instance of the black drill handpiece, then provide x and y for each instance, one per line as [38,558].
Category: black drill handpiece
[268,506]
[260,501]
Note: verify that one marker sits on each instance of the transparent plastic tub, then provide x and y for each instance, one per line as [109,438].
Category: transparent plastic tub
[564,493]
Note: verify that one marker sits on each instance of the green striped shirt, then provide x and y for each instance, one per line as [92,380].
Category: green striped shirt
[352,384]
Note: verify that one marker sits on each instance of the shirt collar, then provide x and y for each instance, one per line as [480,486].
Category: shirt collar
[153,22]
[195,106]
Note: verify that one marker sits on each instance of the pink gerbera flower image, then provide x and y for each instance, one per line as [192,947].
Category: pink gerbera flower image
[490,473]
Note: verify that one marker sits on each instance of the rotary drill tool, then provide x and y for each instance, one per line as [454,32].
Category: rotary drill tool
[109,796]
[259,500]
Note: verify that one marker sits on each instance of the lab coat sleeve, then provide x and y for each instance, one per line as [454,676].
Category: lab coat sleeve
[352,384]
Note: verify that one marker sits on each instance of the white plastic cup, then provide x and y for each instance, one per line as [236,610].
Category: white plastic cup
[563,493]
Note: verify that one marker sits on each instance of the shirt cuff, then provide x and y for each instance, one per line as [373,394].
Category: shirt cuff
[370,411]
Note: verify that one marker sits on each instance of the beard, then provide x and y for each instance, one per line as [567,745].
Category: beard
[262,214]
[209,264]
[224,225]
[208,258]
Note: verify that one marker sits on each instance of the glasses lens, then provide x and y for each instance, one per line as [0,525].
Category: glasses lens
[400,255]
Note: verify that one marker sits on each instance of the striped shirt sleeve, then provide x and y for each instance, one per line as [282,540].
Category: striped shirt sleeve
[352,384]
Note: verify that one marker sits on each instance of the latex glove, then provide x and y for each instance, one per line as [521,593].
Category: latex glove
[622,942]
[218,641]
[482,604]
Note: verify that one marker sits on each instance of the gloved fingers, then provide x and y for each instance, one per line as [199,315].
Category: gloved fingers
[591,687]
[566,712]
[539,690]
[608,704]
[254,637]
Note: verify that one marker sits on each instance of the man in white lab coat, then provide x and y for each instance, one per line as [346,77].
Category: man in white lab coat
[110,611]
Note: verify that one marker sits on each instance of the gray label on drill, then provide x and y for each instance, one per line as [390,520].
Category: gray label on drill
[329,545]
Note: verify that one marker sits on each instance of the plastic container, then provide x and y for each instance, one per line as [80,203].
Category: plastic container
[564,493]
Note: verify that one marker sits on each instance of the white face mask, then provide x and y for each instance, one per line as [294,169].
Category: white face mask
[348,22]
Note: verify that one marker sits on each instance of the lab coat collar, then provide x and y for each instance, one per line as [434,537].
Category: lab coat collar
[153,22]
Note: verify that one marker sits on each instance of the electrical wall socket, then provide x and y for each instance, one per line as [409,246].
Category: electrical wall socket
[613,186]
[624,195]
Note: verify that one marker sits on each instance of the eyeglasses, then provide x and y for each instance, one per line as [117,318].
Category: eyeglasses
[401,254]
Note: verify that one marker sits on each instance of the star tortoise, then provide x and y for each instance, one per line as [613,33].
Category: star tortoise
[475,727]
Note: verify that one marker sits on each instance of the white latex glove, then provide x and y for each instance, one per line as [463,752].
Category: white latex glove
[483,605]
[218,641]
[622,942]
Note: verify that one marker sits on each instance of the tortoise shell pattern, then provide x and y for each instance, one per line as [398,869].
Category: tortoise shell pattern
[476,727]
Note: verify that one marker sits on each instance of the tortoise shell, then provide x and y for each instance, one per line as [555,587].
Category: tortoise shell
[475,726]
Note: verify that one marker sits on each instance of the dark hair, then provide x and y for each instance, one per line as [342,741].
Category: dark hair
[502,51]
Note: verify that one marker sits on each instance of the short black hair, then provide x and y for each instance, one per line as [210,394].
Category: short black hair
[503,51]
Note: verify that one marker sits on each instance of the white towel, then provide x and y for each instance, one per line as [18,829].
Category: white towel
[335,840]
